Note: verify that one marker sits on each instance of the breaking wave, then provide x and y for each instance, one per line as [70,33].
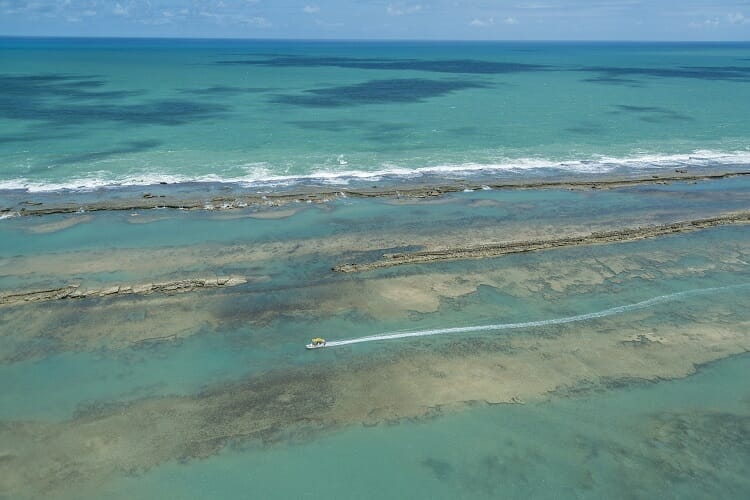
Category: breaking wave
[261,176]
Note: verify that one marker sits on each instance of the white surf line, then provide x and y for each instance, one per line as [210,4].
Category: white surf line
[530,324]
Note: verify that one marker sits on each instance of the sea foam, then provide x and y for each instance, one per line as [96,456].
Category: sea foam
[261,176]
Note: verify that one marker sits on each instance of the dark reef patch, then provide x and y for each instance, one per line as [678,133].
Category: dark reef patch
[652,114]
[61,86]
[467,66]
[392,91]
[475,346]
[610,74]
[442,469]
[224,90]
[588,387]
[612,80]
[696,444]
[63,100]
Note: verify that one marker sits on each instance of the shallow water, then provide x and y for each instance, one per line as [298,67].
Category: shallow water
[686,438]
[218,380]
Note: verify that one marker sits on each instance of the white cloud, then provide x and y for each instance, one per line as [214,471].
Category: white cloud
[510,20]
[536,5]
[324,24]
[738,18]
[258,21]
[119,10]
[482,22]
[706,23]
[311,9]
[403,9]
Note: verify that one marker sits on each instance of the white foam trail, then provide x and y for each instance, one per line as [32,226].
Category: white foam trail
[531,324]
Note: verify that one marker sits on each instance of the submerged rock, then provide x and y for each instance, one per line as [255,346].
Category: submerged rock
[75,292]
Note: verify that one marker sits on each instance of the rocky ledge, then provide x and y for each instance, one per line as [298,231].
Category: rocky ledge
[238,198]
[498,249]
[74,291]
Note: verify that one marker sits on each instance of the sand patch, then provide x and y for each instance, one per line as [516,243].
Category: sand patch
[273,214]
[60,225]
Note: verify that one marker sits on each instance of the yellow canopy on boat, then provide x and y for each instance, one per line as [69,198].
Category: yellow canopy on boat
[318,340]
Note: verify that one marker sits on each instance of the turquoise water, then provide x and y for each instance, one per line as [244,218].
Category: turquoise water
[226,353]
[235,344]
[71,364]
[370,219]
[78,113]
[678,439]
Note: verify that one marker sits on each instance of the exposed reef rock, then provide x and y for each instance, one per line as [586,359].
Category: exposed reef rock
[498,249]
[76,292]
[236,197]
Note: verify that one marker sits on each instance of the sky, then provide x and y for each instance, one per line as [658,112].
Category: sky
[383,19]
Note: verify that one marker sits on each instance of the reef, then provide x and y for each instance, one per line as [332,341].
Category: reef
[74,291]
[496,250]
[235,197]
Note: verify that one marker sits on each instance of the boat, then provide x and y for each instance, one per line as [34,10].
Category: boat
[316,343]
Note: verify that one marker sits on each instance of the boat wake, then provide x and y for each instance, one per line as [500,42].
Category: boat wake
[532,324]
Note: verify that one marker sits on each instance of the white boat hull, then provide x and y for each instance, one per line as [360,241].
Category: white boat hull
[315,346]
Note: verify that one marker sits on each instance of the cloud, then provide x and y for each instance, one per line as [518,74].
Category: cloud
[490,21]
[226,19]
[258,21]
[119,10]
[403,9]
[738,18]
[706,23]
[327,25]
[311,9]
[481,23]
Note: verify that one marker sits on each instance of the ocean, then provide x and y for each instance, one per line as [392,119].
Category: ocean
[105,112]
[530,261]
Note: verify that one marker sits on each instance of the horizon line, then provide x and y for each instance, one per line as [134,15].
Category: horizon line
[344,39]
